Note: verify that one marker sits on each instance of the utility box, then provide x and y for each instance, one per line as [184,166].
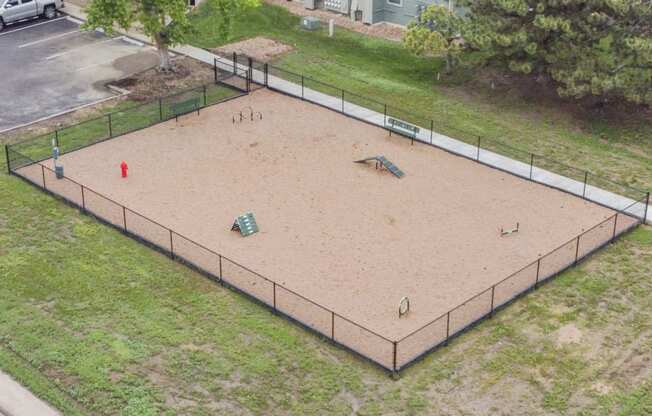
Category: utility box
[310,23]
[309,4]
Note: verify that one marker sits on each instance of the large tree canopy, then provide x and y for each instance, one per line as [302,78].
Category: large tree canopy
[438,32]
[164,21]
[599,47]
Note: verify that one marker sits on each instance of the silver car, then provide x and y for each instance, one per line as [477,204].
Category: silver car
[14,10]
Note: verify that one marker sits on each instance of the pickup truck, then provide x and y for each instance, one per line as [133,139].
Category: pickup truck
[14,10]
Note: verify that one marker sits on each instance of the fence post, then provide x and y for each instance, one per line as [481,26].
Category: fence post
[215,69]
[221,276]
[342,101]
[586,178]
[448,326]
[531,164]
[274,294]
[266,69]
[204,95]
[613,235]
[394,372]
[251,67]
[647,206]
[432,127]
[110,125]
[7,156]
[493,290]
[536,281]
[43,174]
[83,199]
[302,86]
[171,245]
[235,63]
[332,325]
[577,249]
[160,109]
[478,155]
[124,217]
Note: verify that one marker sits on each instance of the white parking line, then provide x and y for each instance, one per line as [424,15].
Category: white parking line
[56,55]
[31,26]
[36,42]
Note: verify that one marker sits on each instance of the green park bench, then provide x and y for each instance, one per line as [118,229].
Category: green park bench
[401,127]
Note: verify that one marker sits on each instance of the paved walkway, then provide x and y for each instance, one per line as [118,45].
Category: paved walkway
[16,400]
[543,176]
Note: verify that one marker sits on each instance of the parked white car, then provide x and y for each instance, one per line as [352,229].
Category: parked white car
[15,10]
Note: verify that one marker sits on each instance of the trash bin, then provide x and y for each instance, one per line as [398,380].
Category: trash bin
[58,171]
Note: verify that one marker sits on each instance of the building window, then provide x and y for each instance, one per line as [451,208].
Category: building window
[398,3]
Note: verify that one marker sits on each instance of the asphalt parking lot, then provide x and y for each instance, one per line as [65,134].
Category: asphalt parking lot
[50,67]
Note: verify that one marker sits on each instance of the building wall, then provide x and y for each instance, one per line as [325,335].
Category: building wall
[406,12]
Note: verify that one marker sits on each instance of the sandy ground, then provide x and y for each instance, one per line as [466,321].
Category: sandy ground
[348,236]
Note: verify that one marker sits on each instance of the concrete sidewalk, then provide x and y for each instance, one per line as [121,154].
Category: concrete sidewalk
[593,193]
[16,400]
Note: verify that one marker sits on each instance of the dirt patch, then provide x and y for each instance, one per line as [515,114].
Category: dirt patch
[382,30]
[259,48]
[154,83]
[568,334]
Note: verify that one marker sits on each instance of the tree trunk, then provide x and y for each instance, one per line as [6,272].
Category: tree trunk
[163,53]
[449,63]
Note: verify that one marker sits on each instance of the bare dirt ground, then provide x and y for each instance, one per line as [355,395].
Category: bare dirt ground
[259,48]
[153,83]
[380,30]
[345,235]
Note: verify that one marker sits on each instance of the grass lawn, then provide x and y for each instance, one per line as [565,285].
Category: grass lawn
[96,323]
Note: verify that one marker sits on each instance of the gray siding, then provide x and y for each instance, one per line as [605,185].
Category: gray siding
[384,11]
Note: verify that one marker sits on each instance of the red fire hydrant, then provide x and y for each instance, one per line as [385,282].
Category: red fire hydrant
[123,168]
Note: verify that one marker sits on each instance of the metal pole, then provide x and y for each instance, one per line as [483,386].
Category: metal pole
[235,63]
[394,356]
[478,156]
[432,127]
[56,137]
[385,115]
[221,275]
[448,326]
[8,161]
[110,126]
[274,292]
[160,108]
[613,235]
[333,325]
[493,289]
[577,248]
[204,95]
[251,68]
[531,164]
[586,178]
[266,69]
[302,86]
[124,217]
[83,199]
[536,282]
[215,69]
[647,206]
[43,173]
[342,101]
[171,245]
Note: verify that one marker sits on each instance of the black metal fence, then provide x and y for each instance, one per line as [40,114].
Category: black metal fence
[231,80]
